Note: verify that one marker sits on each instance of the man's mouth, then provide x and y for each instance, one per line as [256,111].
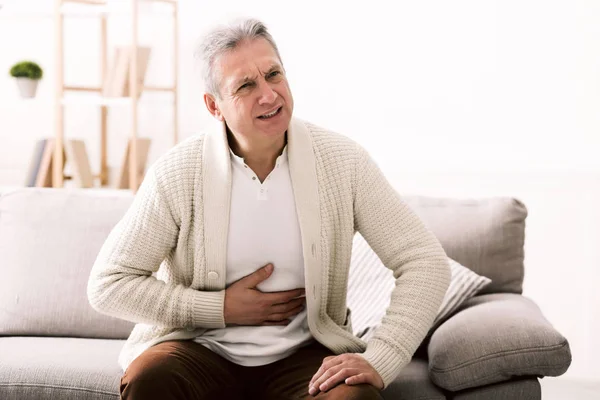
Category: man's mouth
[271,114]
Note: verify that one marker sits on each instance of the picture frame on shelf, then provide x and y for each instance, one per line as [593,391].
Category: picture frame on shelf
[117,79]
[77,158]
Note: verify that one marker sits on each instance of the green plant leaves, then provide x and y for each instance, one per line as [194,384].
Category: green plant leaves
[26,69]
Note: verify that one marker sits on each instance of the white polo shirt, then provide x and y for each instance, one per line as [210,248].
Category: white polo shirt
[263,228]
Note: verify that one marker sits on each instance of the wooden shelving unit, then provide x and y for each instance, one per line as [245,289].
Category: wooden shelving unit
[101,9]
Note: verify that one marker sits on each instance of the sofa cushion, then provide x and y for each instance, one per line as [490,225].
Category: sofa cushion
[370,286]
[49,239]
[413,383]
[493,338]
[44,368]
[523,388]
[486,235]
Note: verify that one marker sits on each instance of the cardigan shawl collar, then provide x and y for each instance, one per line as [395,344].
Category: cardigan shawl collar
[216,196]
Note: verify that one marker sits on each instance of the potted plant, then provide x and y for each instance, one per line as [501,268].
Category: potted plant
[27,74]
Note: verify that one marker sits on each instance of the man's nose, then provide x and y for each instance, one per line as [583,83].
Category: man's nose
[267,94]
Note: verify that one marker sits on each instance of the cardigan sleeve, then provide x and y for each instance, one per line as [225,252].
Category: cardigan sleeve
[121,283]
[418,261]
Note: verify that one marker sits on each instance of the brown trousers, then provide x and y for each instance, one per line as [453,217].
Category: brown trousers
[188,370]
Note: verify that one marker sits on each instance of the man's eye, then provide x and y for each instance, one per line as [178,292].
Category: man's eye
[245,85]
[274,73]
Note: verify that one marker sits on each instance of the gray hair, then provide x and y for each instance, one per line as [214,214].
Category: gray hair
[225,38]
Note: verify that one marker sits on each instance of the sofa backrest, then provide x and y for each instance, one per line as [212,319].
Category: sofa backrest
[49,240]
[485,234]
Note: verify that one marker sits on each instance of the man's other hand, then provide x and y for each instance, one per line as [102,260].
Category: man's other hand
[349,368]
[246,305]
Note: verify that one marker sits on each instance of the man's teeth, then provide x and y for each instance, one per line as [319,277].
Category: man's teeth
[270,115]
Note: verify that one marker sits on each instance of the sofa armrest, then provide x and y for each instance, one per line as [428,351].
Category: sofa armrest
[493,338]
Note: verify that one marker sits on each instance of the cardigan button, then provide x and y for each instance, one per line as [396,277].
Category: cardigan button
[213,275]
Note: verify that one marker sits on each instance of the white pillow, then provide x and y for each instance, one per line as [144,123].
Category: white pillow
[370,285]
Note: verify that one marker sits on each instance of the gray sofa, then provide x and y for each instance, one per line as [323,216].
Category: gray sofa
[53,345]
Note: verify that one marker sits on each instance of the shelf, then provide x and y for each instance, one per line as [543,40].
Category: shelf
[98,89]
[85,95]
[90,99]
[147,8]
[97,100]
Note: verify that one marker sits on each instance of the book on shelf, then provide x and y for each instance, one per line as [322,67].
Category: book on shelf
[41,165]
[44,174]
[143,56]
[79,161]
[35,162]
[142,149]
[117,79]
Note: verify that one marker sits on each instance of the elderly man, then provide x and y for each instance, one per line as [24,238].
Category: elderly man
[233,258]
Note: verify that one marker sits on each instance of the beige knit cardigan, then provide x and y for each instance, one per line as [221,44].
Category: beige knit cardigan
[163,264]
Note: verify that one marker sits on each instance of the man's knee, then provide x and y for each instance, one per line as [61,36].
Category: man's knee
[147,375]
[148,371]
[177,370]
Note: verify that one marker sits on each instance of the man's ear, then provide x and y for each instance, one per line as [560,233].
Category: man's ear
[213,107]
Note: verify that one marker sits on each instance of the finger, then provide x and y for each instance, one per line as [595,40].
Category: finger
[337,378]
[321,370]
[330,369]
[359,379]
[282,316]
[290,305]
[315,388]
[261,274]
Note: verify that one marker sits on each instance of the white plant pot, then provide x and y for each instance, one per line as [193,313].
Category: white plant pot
[27,87]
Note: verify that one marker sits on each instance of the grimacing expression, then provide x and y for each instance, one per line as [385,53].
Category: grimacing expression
[256,101]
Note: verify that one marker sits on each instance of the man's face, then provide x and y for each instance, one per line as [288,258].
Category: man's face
[253,86]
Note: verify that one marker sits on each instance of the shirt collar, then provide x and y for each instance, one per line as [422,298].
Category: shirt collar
[282,159]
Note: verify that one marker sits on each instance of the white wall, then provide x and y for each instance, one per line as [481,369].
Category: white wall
[462,98]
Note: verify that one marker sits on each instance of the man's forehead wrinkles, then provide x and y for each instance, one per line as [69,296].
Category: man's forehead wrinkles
[240,75]
[245,77]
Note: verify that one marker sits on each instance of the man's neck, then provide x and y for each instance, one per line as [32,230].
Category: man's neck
[261,157]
